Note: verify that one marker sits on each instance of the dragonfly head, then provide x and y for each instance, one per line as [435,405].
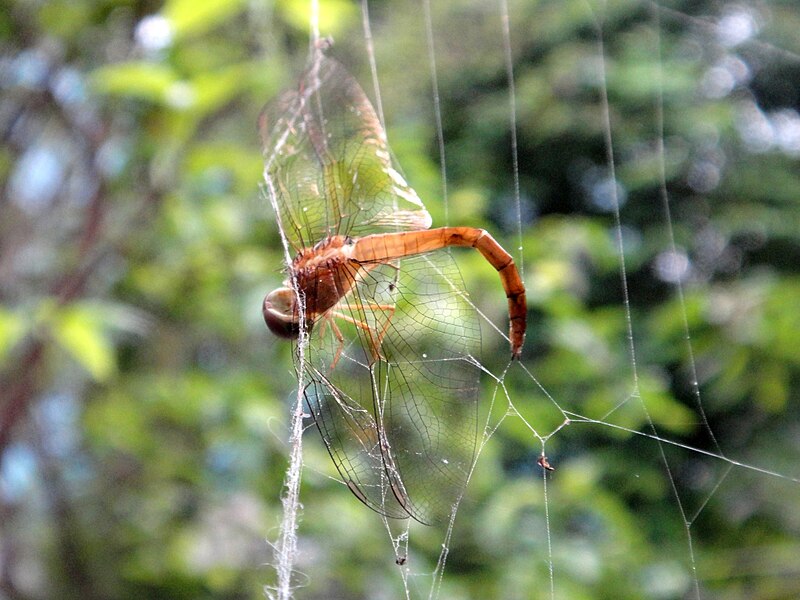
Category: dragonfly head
[281,314]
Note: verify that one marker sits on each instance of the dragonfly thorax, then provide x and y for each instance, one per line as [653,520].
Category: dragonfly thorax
[323,275]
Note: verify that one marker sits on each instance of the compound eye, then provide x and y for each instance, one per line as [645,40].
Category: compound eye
[279,313]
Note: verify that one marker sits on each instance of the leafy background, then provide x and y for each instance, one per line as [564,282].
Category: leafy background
[144,406]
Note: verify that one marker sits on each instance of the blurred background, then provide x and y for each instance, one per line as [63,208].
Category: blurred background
[144,407]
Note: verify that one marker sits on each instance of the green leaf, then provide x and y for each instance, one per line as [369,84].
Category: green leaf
[242,162]
[63,18]
[334,15]
[12,330]
[136,79]
[190,17]
[82,334]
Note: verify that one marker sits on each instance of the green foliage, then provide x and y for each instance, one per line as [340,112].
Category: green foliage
[136,79]
[12,330]
[193,17]
[81,333]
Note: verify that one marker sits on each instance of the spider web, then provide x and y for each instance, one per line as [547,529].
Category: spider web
[625,408]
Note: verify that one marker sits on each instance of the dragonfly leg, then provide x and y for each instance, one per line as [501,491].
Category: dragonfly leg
[337,333]
[375,341]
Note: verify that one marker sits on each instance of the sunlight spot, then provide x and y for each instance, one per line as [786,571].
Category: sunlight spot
[112,157]
[717,82]
[754,128]
[666,580]
[68,86]
[722,78]
[671,267]
[786,125]
[583,561]
[17,472]
[181,95]
[604,193]
[28,69]
[36,179]
[710,243]
[766,131]
[704,176]
[154,33]
[738,26]
[631,238]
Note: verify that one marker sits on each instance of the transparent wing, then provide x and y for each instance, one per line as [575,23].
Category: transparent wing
[328,162]
[398,412]
[351,436]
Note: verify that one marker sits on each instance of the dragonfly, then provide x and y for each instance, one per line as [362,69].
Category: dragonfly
[391,379]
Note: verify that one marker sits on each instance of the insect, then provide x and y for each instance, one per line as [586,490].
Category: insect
[543,462]
[391,378]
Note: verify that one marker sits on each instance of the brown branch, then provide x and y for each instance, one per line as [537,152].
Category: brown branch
[74,564]
[20,386]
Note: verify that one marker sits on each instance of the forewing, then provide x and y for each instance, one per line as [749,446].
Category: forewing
[351,436]
[409,338]
[340,398]
[328,163]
